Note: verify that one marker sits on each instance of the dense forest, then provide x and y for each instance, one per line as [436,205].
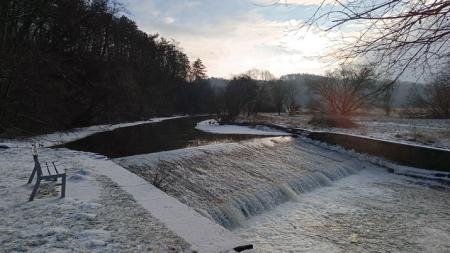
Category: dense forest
[71,63]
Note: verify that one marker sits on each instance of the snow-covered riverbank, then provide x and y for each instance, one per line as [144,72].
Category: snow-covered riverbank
[58,138]
[106,209]
[428,132]
[282,193]
[96,215]
[212,126]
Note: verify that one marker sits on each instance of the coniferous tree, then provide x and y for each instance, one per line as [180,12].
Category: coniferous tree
[71,63]
[198,71]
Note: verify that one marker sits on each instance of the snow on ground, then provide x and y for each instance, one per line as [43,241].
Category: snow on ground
[106,209]
[62,137]
[96,216]
[428,132]
[212,126]
[99,214]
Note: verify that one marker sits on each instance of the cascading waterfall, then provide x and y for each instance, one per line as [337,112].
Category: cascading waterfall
[243,206]
[234,181]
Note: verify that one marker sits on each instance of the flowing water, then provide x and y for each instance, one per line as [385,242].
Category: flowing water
[232,182]
[372,211]
[289,195]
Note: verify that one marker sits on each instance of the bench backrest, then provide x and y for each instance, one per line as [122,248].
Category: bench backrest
[37,164]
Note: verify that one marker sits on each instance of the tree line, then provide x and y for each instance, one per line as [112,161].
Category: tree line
[336,96]
[71,63]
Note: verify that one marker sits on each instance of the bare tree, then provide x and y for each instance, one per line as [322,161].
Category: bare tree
[259,74]
[240,96]
[386,101]
[395,34]
[160,176]
[290,91]
[434,96]
[346,90]
[278,95]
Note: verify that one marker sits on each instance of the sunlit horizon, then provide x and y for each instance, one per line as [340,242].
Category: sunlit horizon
[235,36]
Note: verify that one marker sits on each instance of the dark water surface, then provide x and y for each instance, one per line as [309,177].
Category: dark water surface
[152,137]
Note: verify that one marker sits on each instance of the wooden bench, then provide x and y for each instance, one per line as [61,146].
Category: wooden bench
[51,174]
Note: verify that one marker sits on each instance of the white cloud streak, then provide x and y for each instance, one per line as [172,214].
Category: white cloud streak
[293,2]
[234,43]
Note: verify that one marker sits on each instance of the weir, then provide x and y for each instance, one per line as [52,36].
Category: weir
[405,154]
[236,211]
[419,156]
[232,182]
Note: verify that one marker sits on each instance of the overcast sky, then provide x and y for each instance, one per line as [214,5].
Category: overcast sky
[232,36]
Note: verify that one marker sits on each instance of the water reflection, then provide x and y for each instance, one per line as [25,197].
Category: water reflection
[154,137]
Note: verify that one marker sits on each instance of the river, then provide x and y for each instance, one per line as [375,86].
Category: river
[286,194]
[371,211]
[152,137]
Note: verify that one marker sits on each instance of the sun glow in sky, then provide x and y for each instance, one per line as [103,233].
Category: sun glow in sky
[234,36]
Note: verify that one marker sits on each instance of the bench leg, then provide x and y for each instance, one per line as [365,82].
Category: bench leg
[63,186]
[36,186]
[32,176]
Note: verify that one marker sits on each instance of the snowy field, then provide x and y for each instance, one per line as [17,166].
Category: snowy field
[429,132]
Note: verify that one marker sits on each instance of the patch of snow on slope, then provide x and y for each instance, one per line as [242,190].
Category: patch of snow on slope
[57,138]
[428,132]
[212,126]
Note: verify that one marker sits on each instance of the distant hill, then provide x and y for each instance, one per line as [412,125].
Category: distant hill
[301,82]
[218,83]
[400,95]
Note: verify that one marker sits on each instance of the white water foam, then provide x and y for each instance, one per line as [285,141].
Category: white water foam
[235,181]
[371,211]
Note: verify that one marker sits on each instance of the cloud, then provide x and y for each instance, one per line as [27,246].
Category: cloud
[234,40]
[168,20]
[232,46]
[293,2]
[309,2]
